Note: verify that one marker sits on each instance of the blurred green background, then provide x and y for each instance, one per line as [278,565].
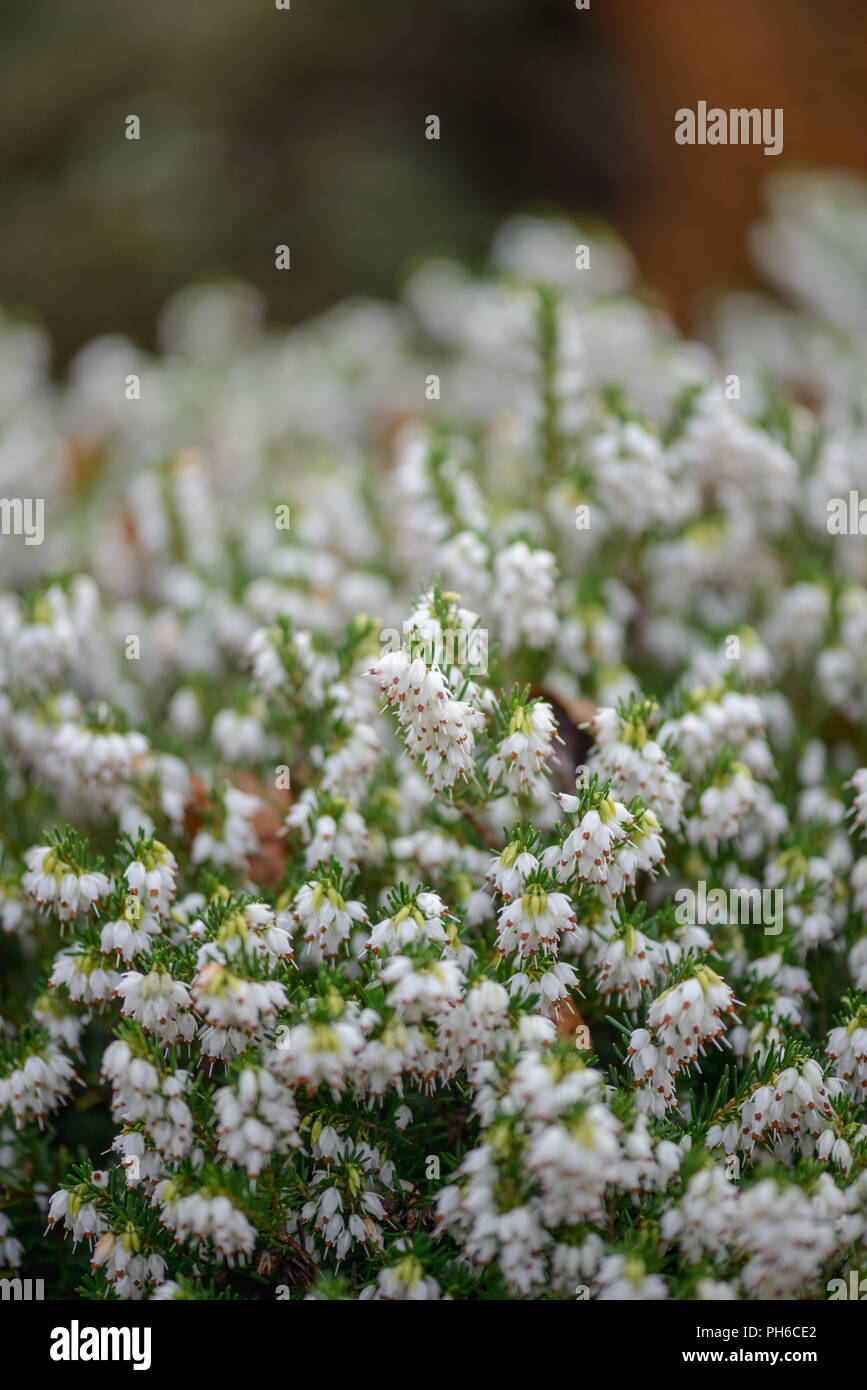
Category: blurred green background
[262,126]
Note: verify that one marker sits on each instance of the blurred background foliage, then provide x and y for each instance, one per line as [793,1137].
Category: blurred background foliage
[306,126]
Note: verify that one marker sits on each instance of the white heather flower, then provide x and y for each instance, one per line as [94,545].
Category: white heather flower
[439,730]
[239,738]
[575,1264]
[235,1009]
[650,1062]
[420,920]
[858,963]
[690,580]
[624,1277]
[325,918]
[791,1112]
[515,1237]
[159,1003]
[85,975]
[398,1050]
[786,1245]
[847,1049]
[269,673]
[575,1164]
[545,1090]
[141,1163]
[791,986]
[11,1248]
[859,805]
[238,839]
[436,853]
[858,880]
[167,1291]
[628,463]
[79,1217]
[154,879]
[40,650]
[589,849]
[811,904]
[833,1148]
[346,1208]
[705,1221]
[130,935]
[62,1024]
[735,719]
[343,836]
[419,992]
[347,771]
[509,869]
[643,852]
[438,645]
[636,764]
[533,923]
[522,597]
[142,1096]
[552,986]
[128,1272]
[185,713]
[203,1218]
[690,1014]
[255,1118]
[405,1281]
[175,789]
[37,1085]
[722,807]
[254,927]
[109,758]
[53,883]
[485,1019]
[14,916]
[628,962]
[316,1054]
[522,756]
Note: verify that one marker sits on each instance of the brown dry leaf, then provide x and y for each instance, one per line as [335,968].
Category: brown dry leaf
[568,1019]
[84,461]
[388,428]
[266,868]
[268,1264]
[570,714]
[196,808]
[290,1263]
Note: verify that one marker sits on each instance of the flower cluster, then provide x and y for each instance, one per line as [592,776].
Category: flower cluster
[342,856]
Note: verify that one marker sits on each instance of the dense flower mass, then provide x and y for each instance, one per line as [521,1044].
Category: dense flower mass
[433,789]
